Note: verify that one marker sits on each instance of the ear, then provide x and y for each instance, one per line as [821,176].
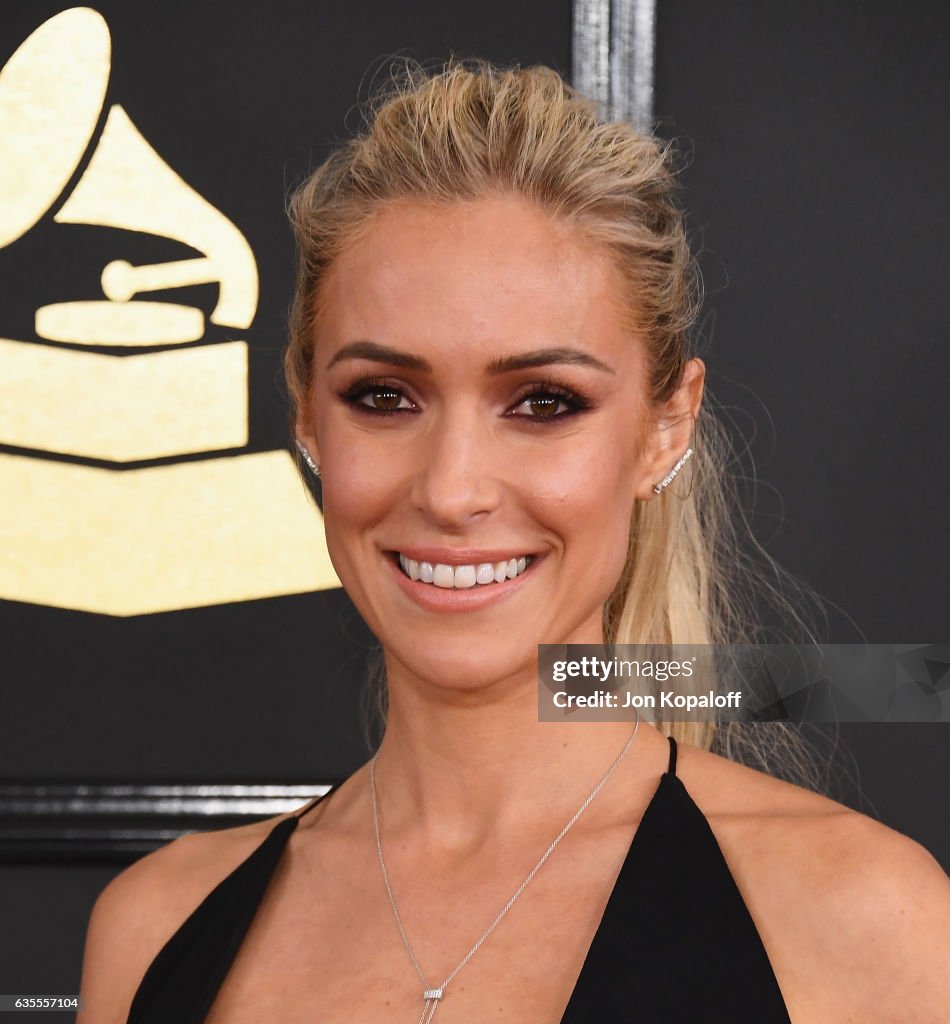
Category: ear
[672,429]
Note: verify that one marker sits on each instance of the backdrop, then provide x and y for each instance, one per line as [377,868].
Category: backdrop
[170,618]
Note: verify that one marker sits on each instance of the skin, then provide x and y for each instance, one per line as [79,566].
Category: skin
[471,786]
[460,288]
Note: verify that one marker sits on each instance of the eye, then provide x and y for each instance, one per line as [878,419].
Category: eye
[543,400]
[544,405]
[384,398]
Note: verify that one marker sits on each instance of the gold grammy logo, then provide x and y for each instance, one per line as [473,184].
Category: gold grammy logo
[131,541]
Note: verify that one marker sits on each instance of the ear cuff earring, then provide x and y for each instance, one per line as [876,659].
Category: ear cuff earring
[315,469]
[672,473]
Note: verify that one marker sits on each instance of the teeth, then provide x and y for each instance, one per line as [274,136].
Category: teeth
[465,576]
[461,577]
[485,573]
[444,576]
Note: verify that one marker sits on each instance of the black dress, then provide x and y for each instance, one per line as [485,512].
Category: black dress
[676,943]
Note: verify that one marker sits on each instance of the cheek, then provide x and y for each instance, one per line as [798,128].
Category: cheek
[355,493]
[358,493]
[586,498]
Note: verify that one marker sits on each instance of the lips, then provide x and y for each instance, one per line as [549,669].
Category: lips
[449,598]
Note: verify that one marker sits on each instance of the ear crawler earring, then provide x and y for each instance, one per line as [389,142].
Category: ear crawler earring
[314,468]
[657,488]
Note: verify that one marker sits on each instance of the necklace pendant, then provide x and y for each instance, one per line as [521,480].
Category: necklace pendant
[431,997]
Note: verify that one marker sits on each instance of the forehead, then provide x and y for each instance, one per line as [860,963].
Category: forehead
[493,271]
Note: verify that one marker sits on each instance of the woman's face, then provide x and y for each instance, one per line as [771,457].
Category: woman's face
[475,400]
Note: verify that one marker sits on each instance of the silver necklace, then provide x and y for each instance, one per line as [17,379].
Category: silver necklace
[430,995]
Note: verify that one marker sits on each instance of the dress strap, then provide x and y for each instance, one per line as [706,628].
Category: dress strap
[313,803]
[672,768]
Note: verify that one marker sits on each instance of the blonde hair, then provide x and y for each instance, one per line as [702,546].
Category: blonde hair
[472,130]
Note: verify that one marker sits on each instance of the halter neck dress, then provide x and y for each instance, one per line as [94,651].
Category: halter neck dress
[676,943]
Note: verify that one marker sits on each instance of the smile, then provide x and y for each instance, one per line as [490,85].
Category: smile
[461,577]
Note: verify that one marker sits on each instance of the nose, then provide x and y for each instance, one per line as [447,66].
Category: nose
[459,468]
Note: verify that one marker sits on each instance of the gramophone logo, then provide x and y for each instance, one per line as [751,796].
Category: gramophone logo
[102,538]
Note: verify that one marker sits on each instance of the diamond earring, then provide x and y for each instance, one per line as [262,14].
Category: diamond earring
[672,473]
[315,469]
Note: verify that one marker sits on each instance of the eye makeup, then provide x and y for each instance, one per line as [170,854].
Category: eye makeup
[542,393]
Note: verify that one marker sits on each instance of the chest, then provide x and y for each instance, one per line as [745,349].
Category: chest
[335,954]
[598,934]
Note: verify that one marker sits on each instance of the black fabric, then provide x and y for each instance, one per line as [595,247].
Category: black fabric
[676,942]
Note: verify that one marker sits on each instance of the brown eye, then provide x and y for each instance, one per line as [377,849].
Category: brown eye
[544,406]
[378,398]
[541,402]
[386,399]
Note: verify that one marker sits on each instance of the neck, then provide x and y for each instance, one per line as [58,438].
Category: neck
[458,769]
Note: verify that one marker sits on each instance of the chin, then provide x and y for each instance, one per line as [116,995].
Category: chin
[477,667]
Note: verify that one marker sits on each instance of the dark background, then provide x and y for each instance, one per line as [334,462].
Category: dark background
[817,142]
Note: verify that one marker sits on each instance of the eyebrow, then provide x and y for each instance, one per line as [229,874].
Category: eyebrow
[504,364]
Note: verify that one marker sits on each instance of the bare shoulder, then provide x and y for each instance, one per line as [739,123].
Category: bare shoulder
[145,904]
[848,908]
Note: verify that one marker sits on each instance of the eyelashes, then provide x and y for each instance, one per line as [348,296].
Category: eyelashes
[353,395]
[542,395]
[549,395]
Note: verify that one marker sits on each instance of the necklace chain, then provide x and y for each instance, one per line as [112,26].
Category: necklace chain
[433,995]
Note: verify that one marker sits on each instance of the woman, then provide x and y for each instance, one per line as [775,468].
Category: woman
[489,371]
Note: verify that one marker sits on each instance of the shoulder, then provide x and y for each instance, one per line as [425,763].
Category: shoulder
[848,901]
[889,921]
[145,904]
[879,917]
